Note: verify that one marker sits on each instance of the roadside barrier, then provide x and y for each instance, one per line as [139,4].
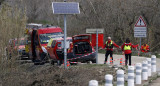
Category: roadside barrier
[108,79]
[130,75]
[142,72]
[149,66]
[75,62]
[81,56]
[145,70]
[138,73]
[153,63]
[120,78]
[93,83]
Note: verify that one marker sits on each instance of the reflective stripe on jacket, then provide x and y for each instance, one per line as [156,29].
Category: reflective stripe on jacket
[129,50]
[109,45]
[127,47]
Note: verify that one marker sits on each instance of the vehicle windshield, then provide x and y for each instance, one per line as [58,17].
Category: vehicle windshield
[44,38]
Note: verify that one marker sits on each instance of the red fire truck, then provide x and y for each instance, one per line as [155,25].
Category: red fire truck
[38,39]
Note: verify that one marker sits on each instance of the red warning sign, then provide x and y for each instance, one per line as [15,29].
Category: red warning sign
[140,22]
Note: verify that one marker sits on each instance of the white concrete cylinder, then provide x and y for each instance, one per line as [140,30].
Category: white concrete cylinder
[120,78]
[149,66]
[93,83]
[108,79]
[130,75]
[145,70]
[138,73]
[153,63]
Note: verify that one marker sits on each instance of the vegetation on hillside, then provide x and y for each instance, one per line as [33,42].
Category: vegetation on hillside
[12,25]
[117,17]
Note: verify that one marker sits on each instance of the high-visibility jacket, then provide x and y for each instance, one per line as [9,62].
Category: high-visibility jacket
[127,48]
[109,45]
[145,49]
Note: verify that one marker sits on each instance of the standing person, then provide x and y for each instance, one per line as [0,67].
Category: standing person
[109,49]
[145,48]
[127,49]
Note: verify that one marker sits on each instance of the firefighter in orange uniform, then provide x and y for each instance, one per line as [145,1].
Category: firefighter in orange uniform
[109,49]
[145,48]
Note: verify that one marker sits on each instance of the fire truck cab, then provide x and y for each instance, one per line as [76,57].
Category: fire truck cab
[38,40]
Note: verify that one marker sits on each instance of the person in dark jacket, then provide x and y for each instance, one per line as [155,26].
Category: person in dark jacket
[127,49]
[109,49]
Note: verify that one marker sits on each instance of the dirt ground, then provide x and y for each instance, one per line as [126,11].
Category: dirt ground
[28,74]
[20,73]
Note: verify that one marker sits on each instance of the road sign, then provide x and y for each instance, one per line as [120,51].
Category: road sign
[140,22]
[140,28]
[94,30]
[65,8]
[140,32]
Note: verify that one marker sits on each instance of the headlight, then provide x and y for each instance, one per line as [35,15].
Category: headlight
[44,49]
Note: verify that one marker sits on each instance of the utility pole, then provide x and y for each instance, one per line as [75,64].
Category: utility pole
[65,35]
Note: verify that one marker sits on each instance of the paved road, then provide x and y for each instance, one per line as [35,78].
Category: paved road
[135,59]
[116,59]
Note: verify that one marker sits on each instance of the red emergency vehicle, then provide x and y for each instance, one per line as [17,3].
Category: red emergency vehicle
[55,49]
[38,39]
[80,49]
[21,48]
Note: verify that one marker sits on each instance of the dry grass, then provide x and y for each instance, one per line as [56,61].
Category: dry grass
[49,75]
[12,25]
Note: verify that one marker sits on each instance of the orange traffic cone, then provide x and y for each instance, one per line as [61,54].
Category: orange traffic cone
[121,61]
[111,62]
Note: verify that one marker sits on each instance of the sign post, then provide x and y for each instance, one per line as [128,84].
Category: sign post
[65,8]
[140,30]
[96,46]
[95,31]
